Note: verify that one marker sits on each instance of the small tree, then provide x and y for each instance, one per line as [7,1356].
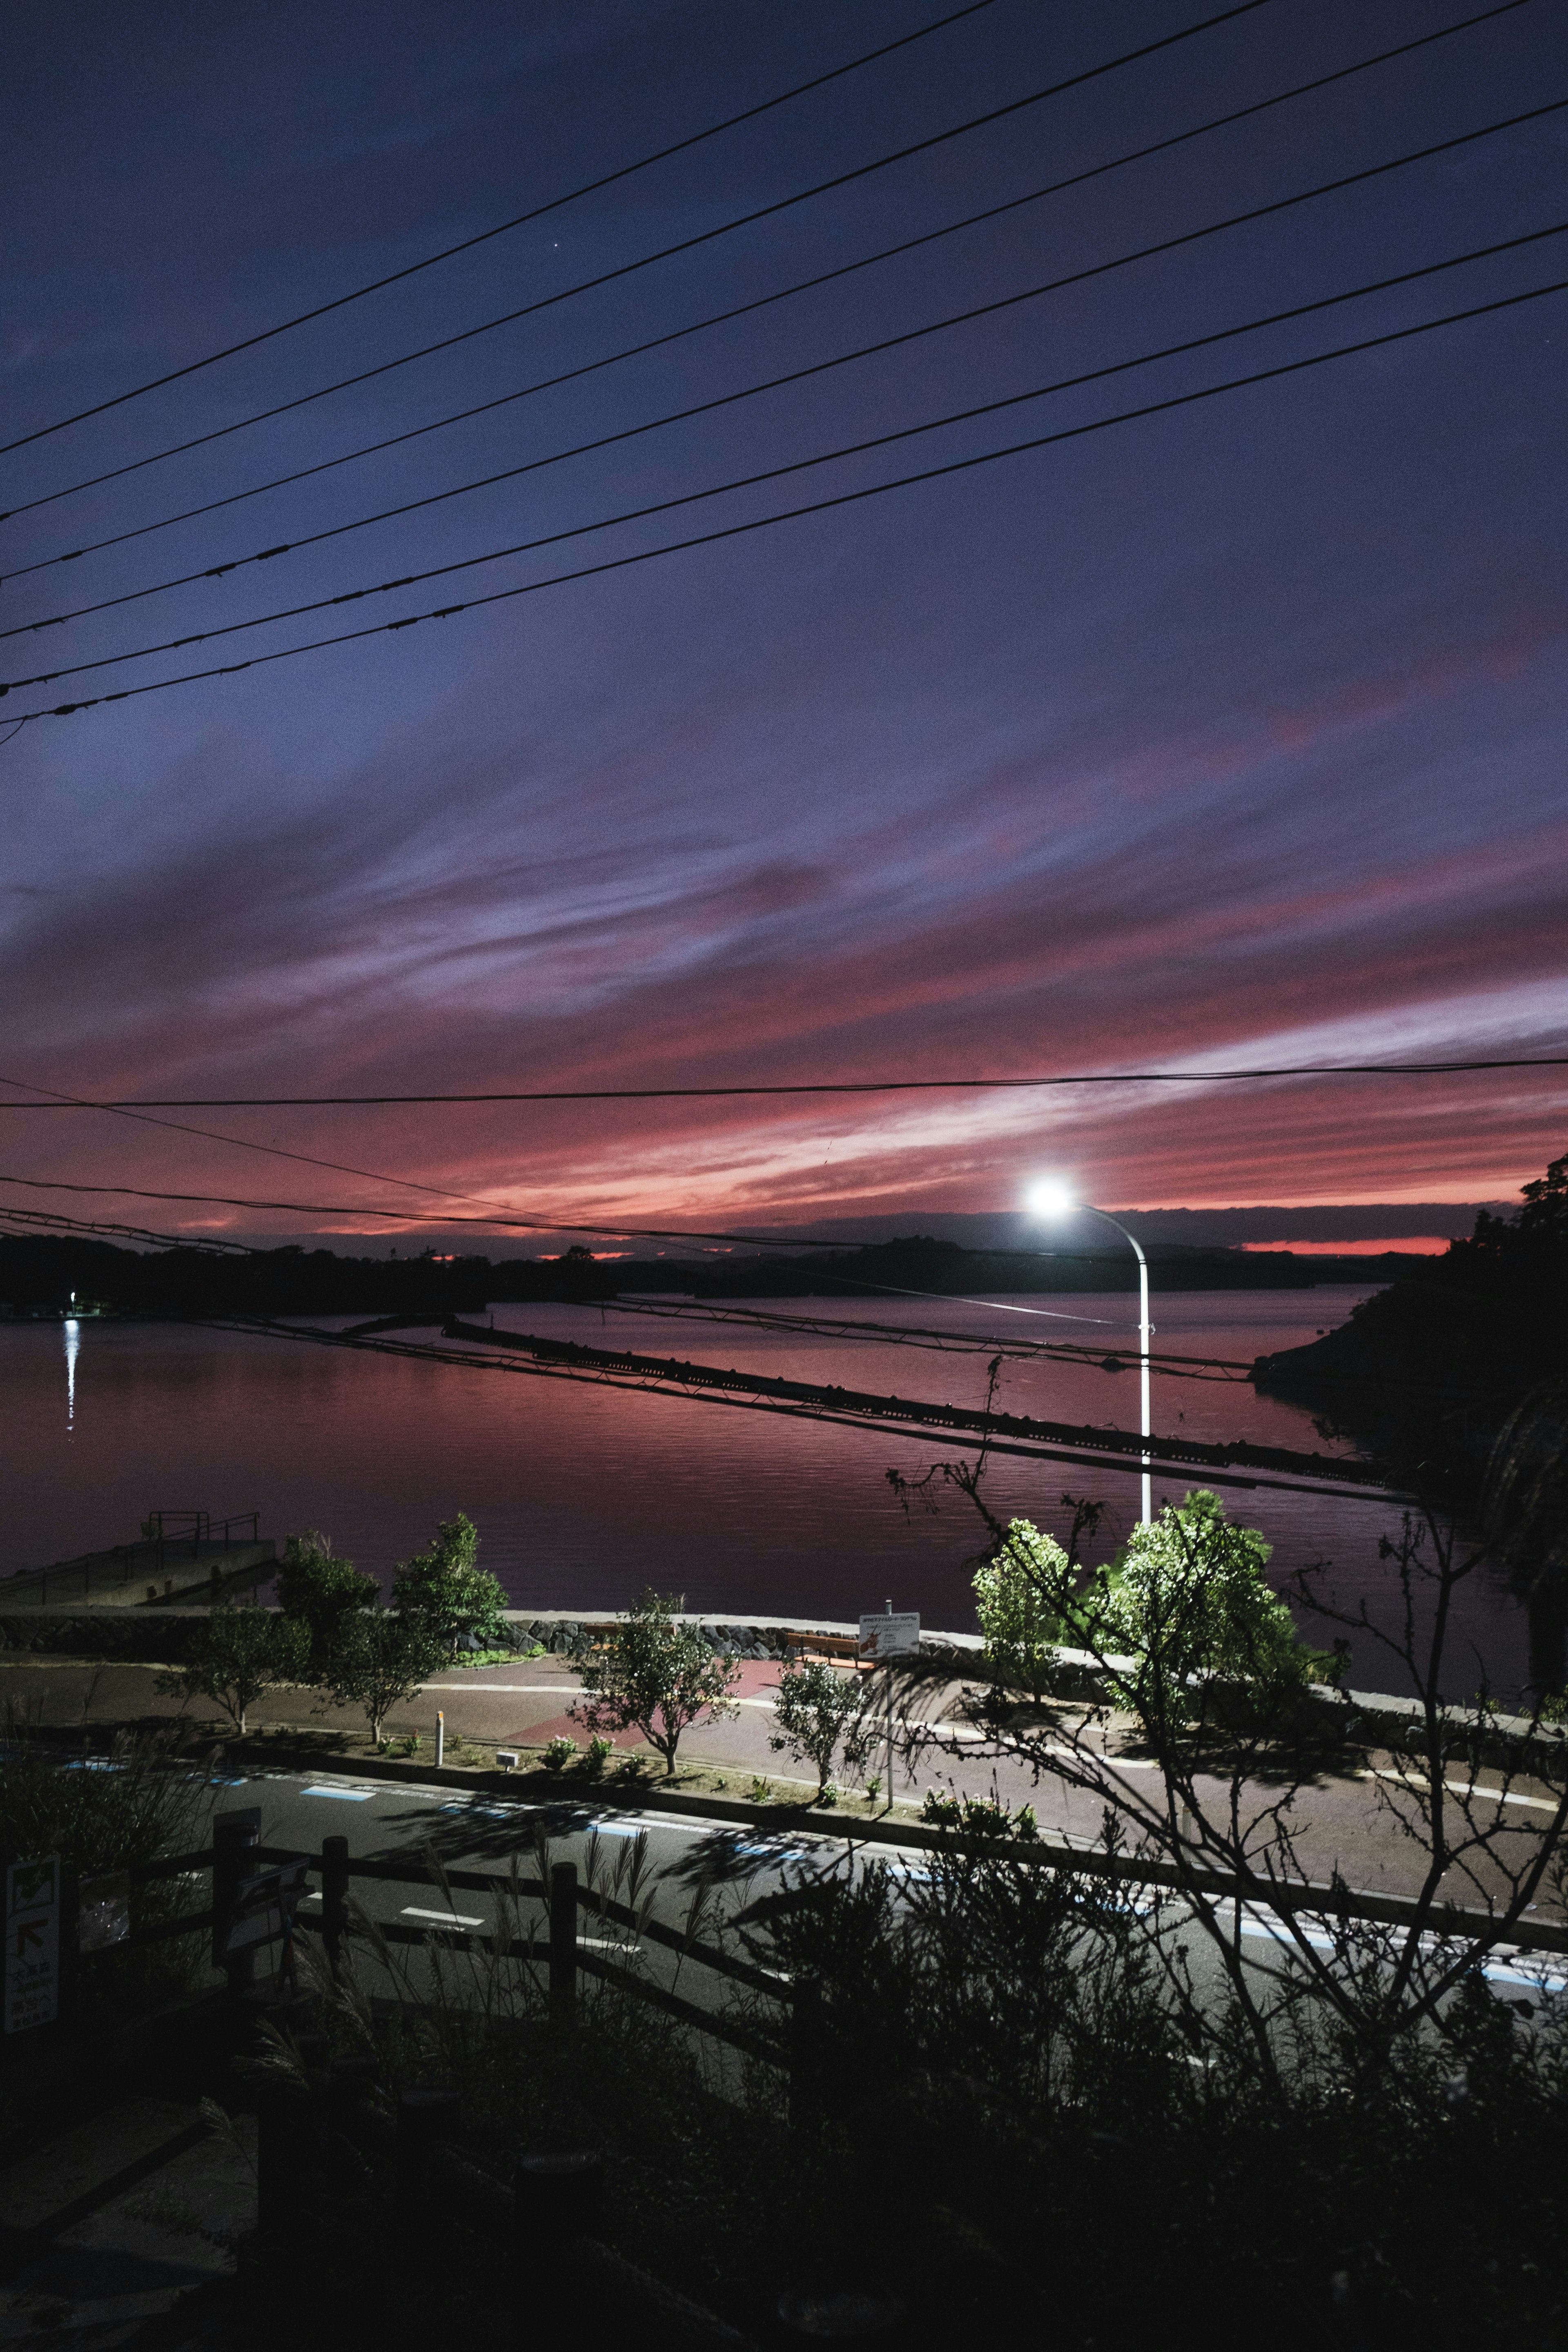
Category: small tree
[378,1659]
[655,1675]
[820,1715]
[460,1605]
[1021,1626]
[1188,1597]
[318,1590]
[242,1651]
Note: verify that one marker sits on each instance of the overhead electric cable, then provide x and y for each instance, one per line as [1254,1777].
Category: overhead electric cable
[1098,1448]
[847,498]
[557,1225]
[777,383]
[765,522]
[21,1223]
[268,1150]
[810,1086]
[538,212]
[676,334]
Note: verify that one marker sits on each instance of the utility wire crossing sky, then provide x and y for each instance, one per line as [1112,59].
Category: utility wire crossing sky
[1226,741]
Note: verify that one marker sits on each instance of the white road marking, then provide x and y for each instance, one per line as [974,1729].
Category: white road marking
[349,1796]
[442,1918]
[1462,1789]
[532,1690]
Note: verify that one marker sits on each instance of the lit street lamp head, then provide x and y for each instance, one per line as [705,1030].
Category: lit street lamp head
[1049,1198]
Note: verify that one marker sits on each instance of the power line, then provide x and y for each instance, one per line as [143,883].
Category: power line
[777,383]
[268,1150]
[1092,1355]
[538,212]
[970,1431]
[29,1220]
[818,506]
[813,1087]
[549,1225]
[677,334]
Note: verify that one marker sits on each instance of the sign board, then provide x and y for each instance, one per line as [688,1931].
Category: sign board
[103,1911]
[264,1904]
[32,1943]
[891,1633]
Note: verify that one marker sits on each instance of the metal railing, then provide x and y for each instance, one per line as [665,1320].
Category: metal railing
[560,1952]
[166,1536]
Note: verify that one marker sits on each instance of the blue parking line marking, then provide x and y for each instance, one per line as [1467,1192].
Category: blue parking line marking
[348,1796]
[1540,1983]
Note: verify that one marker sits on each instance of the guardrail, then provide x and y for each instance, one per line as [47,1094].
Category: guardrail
[166,1535]
[241,1866]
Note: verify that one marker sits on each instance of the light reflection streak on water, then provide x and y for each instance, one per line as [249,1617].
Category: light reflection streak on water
[73,1349]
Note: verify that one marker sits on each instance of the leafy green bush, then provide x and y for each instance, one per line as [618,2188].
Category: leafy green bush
[503,1657]
[379,1658]
[821,1719]
[559,1752]
[1185,1597]
[455,1599]
[1189,1597]
[242,1651]
[318,1590]
[985,1817]
[656,1676]
[1019,1596]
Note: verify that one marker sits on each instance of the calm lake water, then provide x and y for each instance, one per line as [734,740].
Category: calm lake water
[584,1495]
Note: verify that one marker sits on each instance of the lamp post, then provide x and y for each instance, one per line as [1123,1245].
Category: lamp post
[1051,1200]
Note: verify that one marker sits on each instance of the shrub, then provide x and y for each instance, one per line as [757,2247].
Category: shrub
[1019,1594]
[318,1590]
[380,1657]
[458,1602]
[820,1714]
[559,1752]
[1189,1596]
[653,1676]
[241,1651]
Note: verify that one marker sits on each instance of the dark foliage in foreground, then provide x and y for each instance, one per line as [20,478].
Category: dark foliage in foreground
[997,2115]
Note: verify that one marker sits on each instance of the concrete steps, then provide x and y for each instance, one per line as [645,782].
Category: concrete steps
[112,2221]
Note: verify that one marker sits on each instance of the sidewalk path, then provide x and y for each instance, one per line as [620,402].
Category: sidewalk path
[1343,1822]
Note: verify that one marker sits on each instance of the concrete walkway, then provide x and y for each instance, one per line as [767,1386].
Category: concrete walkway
[1346,1822]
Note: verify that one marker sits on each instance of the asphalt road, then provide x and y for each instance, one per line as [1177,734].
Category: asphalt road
[1342,1821]
[680,1859]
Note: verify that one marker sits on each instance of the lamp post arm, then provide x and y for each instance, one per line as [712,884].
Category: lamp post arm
[1145,1424]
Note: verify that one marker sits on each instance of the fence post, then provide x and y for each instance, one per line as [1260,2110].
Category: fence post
[563,1943]
[335,1897]
[235,1834]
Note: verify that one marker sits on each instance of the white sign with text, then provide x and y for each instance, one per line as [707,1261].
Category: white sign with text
[891,1633]
[32,1943]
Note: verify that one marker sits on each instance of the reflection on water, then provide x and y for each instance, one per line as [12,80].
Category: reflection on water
[584,1494]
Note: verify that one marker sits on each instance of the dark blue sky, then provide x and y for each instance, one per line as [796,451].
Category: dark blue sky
[1233,734]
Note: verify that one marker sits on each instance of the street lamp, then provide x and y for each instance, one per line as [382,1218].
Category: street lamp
[1051,1198]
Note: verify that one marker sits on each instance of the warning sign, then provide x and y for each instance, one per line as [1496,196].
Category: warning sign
[32,1943]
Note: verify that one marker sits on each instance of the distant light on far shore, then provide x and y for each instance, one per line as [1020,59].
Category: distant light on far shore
[1049,1198]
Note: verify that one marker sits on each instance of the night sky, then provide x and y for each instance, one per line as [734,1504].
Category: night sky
[1233,734]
